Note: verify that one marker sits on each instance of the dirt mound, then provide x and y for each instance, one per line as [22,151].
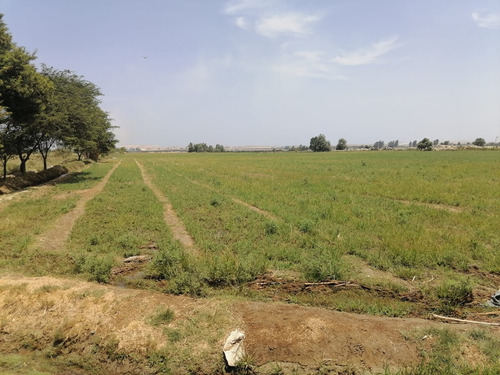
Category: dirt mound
[32,179]
[309,336]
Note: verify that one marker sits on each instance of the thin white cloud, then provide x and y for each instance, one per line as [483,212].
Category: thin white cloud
[242,23]
[295,24]
[239,6]
[488,21]
[368,55]
[308,64]
[200,77]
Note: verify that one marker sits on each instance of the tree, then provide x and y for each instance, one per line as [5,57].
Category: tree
[88,127]
[393,143]
[23,95]
[479,142]
[6,151]
[341,144]
[320,144]
[435,142]
[425,145]
[378,145]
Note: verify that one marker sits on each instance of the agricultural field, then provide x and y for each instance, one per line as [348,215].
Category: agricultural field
[182,248]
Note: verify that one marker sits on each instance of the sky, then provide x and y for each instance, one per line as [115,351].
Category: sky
[276,72]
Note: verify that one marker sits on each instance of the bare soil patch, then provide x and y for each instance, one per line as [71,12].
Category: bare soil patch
[309,336]
[171,219]
[54,238]
[436,206]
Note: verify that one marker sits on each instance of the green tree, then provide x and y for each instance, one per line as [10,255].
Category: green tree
[320,144]
[341,144]
[87,129]
[6,151]
[23,96]
[425,145]
[479,142]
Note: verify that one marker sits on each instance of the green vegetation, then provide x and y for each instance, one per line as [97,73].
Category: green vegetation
[401,212]
[41,109]
[424,223]
[21,221]
[320,144]
[113,227]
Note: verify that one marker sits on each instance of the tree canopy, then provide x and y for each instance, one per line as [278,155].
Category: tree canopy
[320,144]
[425,145]
[341,144]
[39,110]
[479,142]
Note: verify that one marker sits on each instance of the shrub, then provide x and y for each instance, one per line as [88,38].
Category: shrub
[326,265]
[271,227]
[306,226]
[161,316]
[98,268]
[455,293]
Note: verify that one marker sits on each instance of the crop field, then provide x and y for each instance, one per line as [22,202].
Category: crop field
[392,234]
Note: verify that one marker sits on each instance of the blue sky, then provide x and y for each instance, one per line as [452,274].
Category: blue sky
[277,72]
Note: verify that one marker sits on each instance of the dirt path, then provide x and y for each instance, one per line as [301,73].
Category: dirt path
[436,206]
[54,238]
[176,225]
[238,201]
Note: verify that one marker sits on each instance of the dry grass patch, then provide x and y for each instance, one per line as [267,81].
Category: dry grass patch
[110,328]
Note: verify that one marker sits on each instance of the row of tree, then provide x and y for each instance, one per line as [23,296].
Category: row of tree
[320,144]
[42,109]
[203,147]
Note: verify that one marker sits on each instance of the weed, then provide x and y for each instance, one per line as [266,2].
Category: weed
[98,268]
[186,283]
[161,316]
[306,226]
[271,227]
[455,293]
[325,264]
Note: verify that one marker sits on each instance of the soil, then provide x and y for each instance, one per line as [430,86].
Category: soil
[309,336]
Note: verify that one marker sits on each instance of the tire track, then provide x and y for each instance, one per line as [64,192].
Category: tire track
[55,238]
[267,214]
[171,219]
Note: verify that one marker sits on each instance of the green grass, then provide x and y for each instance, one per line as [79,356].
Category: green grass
[377,206]
[23,219]
[419,216]
[119,222]
[449,352]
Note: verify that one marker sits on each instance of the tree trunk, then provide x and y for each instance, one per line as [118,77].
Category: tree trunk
[22,166]
[23,159]
[44,157]
[4,160]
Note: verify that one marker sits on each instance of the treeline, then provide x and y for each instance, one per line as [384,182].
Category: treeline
[42,109]
[203,147]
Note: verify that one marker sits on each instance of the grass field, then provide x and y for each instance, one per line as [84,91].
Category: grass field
[409,233]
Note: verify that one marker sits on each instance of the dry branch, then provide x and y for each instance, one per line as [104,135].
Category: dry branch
[465,320]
